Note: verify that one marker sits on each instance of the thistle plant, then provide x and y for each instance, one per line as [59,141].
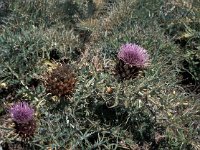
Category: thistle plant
[21,112]
[151,112]
[132,58]
[133,55]
[23,117]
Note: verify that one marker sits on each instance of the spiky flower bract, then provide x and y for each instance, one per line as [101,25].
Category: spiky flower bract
[26,130]
[21,112]
[133,55]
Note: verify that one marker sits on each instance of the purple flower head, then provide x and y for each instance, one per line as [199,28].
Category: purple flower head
[133,55]
[21,112]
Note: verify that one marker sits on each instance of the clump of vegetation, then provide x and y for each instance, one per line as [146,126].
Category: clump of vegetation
[85,106]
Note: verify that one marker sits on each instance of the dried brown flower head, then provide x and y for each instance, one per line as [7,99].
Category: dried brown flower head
[61,81]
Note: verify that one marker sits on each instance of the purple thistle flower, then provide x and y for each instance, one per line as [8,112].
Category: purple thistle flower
[133,55]
[21,112]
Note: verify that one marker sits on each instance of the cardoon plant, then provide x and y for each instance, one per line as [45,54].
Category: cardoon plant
[21,112]
[23,116]
[133,55]
[132,58]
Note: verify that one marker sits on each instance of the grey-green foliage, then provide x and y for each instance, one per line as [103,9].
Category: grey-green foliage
[20,52]
[181,22]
